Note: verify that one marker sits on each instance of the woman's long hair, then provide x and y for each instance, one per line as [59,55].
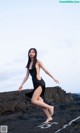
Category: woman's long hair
[29,59]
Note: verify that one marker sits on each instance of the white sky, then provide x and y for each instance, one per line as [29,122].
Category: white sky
[49,26]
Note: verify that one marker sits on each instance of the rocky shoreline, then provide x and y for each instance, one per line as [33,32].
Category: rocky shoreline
[17,112]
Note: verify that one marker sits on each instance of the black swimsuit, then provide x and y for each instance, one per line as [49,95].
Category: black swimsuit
[36,83]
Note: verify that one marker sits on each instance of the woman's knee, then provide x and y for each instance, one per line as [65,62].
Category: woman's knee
[33,100]
[40,99]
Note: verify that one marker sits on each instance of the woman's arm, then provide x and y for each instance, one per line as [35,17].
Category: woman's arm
[24,80]
[48,73]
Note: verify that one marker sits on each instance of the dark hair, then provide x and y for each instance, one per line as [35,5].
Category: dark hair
[29,59]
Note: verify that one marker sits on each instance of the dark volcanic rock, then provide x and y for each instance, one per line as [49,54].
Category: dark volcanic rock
[76,97]
[13,102]
[17,101]
[17,112]
[58,95]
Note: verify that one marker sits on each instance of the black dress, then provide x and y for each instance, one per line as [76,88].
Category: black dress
[36,83]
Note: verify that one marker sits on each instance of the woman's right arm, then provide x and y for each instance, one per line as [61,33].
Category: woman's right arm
[24,80]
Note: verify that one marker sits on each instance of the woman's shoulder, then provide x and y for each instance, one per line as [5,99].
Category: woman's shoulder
[39,62]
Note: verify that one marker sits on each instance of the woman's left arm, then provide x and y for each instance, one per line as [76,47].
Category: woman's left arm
[48,73]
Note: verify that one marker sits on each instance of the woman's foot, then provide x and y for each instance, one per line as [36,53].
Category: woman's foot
[48,120]
[51,110]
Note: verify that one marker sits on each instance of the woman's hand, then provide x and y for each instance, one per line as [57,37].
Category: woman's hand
[56,81]
[20,88]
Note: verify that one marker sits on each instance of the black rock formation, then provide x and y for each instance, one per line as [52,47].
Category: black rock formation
[17,112]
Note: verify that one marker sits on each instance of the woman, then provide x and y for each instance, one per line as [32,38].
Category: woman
[37,95]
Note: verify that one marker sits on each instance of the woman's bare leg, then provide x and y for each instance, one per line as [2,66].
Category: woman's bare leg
[35,100]
[45,109]
[46,112]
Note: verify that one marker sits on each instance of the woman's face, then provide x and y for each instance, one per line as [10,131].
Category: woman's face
[32,53]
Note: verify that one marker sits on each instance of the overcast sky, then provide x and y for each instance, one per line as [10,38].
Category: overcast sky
[51,27]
